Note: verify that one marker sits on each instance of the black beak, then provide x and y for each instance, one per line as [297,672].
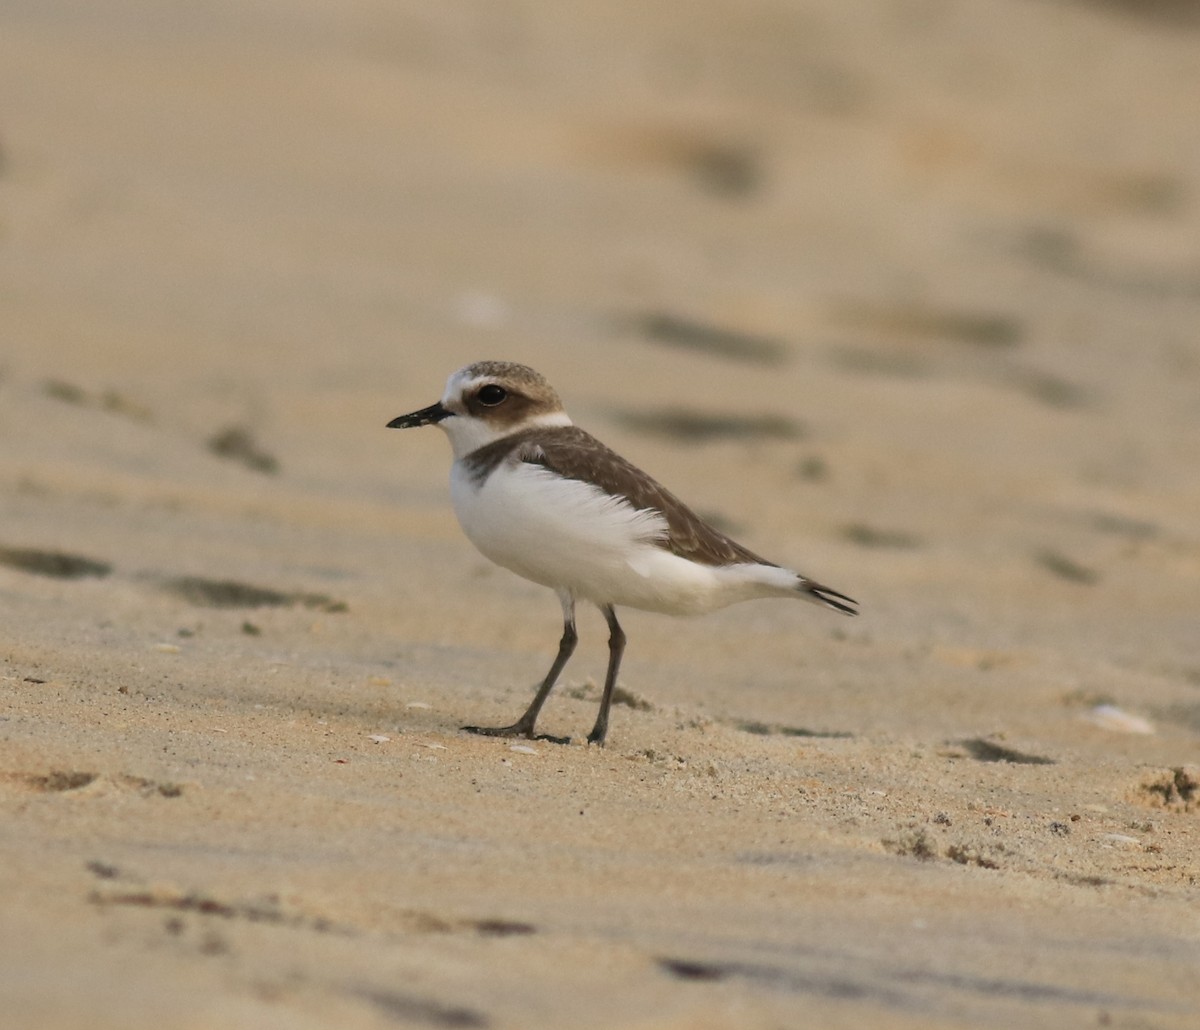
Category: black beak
[424,417]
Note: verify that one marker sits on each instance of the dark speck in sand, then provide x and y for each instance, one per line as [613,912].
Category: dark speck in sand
[213,593]
[408,1009]
[1066,568]
[238,444]
[868,536]
[763,729]
[684,969]
[688,334]
[987,751]
[55,564]
[692,426]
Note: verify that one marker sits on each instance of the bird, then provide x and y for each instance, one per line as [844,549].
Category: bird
[543,498]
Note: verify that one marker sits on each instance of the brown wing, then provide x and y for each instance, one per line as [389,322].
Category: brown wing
[575,454]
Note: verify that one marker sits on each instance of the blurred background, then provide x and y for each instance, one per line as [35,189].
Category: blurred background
[903,292]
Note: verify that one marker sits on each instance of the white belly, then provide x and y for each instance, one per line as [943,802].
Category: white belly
[572,536]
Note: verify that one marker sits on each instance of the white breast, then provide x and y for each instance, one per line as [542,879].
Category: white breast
[555,531]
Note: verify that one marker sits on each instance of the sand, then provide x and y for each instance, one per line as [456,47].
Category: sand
[904,294]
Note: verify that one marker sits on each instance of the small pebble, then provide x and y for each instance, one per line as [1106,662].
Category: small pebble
[433,747]
[1110,717]
[379,738]
[168,648]
[522,749]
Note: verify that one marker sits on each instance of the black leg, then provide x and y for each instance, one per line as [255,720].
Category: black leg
[616,647]
[523,727]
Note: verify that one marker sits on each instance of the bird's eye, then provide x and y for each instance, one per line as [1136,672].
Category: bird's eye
[491,395]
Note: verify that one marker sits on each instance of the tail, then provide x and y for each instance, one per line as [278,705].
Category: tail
[819,594]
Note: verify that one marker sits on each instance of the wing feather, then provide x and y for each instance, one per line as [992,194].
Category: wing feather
[575,454]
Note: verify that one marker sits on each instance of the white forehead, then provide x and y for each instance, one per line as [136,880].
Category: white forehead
[459,382]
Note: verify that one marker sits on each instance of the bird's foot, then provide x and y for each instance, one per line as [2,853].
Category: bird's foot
[517,729]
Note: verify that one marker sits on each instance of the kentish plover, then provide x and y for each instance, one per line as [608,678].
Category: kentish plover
[547,500]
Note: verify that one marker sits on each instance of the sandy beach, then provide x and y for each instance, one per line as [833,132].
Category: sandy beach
[903,294]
